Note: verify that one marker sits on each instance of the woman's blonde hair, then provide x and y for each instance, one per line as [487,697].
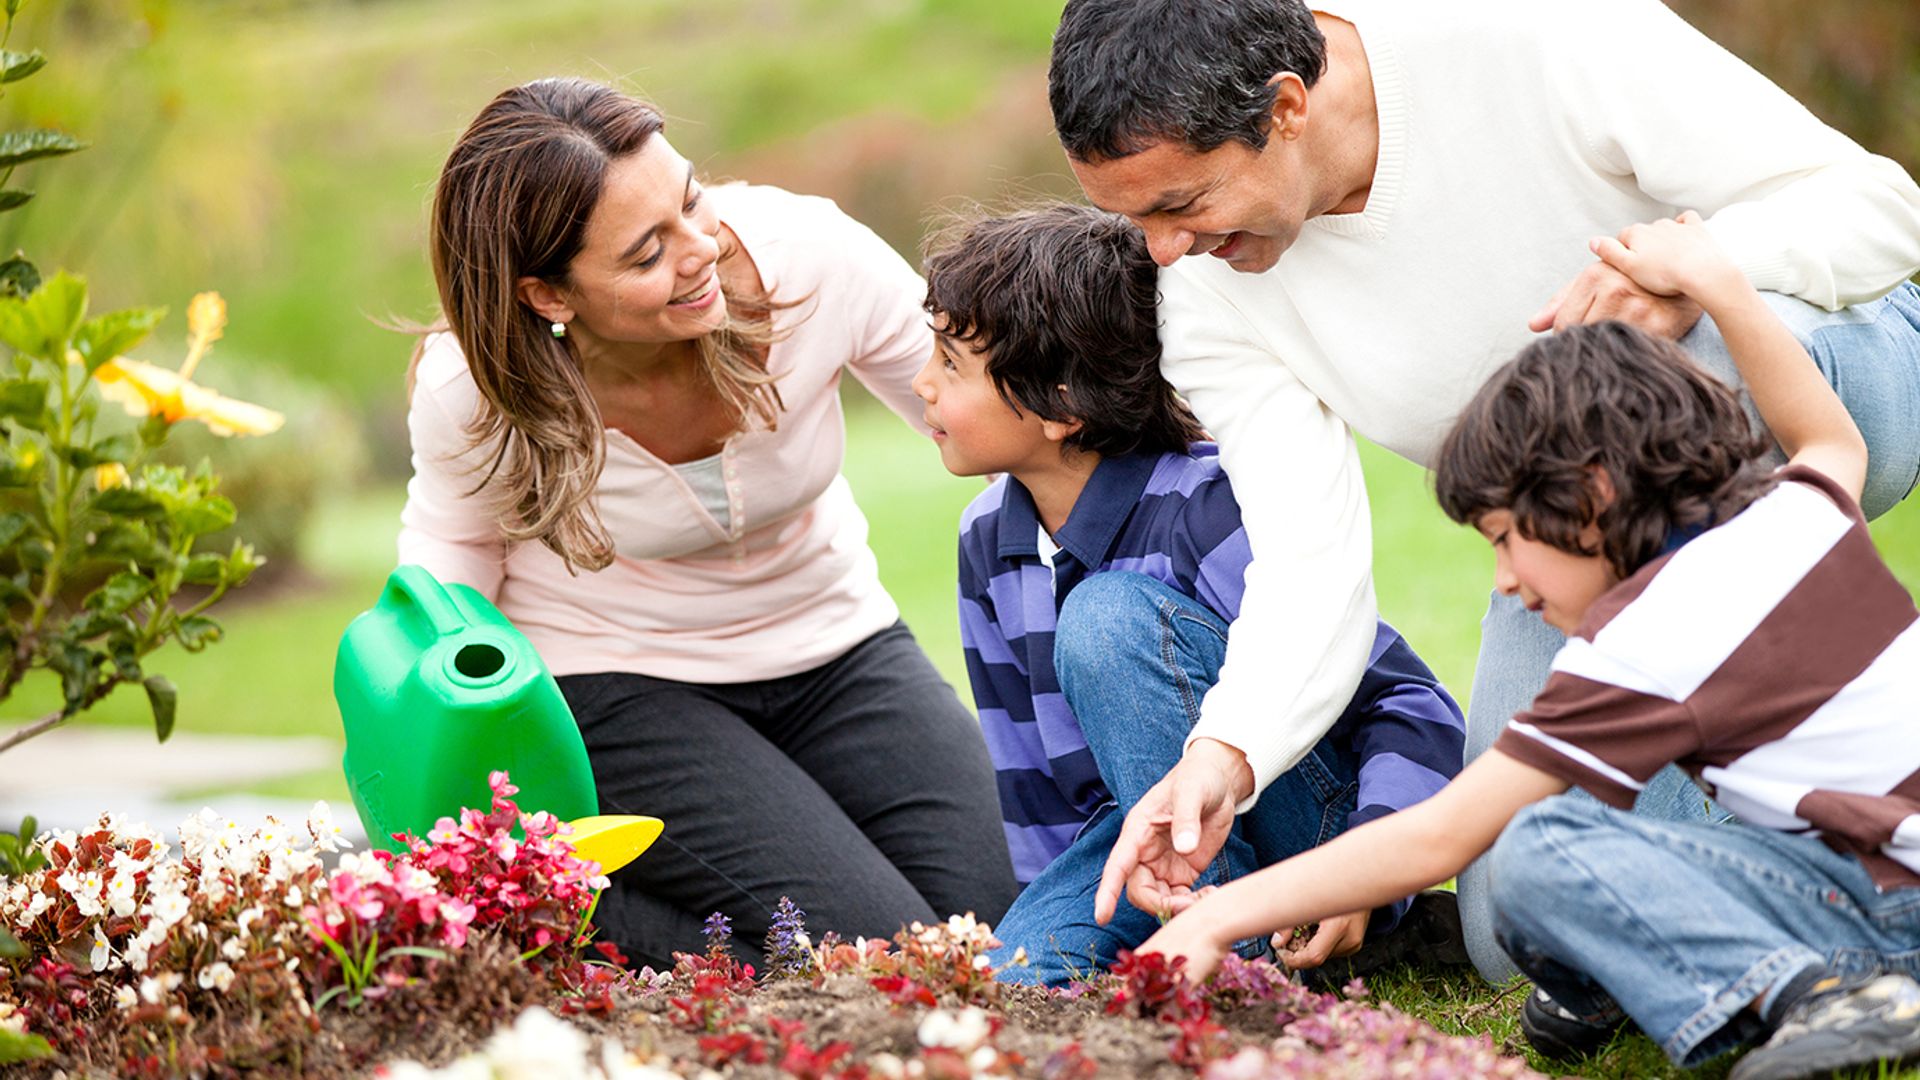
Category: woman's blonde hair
[513,201]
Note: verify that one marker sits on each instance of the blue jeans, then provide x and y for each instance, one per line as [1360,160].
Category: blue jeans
[1134,659]
[1685,924]
[1871,355]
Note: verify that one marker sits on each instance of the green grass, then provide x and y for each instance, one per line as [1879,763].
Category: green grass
[1463,1005]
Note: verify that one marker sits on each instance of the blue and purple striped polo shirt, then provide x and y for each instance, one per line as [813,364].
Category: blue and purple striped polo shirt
[1173,518]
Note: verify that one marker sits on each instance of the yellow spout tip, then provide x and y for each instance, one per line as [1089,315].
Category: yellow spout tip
[613,840]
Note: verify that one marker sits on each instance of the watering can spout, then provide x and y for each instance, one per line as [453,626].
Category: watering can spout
[436,691]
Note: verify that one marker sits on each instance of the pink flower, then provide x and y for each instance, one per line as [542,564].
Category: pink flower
[502,787]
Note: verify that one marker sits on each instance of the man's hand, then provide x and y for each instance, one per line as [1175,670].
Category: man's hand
[1601,292]
[1174,832]
[1337,936]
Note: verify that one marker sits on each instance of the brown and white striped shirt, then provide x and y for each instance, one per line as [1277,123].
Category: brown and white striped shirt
[1775,658]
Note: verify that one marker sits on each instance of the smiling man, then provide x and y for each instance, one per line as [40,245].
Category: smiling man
[1361,211]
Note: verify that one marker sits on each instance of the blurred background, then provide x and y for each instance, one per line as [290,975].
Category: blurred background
[283,152]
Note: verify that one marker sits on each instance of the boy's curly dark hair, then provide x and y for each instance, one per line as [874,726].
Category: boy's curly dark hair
[1671,438]
[1064,296]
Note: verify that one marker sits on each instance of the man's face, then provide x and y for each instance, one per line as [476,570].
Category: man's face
[1233,202]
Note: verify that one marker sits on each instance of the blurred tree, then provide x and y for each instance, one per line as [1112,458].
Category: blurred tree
[1855,63]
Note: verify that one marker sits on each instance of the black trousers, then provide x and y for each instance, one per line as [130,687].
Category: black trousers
[861,789]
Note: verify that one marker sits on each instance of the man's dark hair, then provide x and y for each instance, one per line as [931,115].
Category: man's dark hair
[1061,299]
[1673,440]
[1127,74]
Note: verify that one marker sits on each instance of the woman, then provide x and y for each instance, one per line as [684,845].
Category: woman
[631,441]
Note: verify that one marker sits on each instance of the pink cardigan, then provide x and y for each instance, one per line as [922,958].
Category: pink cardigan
[796,585]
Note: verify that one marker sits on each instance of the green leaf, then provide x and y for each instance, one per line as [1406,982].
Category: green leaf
[53,313]
[202,516]
[196,632]
[18,276]
[201,569]
[16,66]
[12,525]
[241,563]
[108,336]
[121,591]
[124,541]
[16,1046]
[163,697]
[76,665]
[25,400]
[113,448]
[14,198]
[19,147]
[128,502]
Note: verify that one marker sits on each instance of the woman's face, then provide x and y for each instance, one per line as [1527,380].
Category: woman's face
[647,271]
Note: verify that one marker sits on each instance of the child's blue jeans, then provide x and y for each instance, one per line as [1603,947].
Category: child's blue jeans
[1134,659]
[1685,924]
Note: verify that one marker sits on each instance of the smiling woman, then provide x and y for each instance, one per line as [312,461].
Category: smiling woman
[630,439]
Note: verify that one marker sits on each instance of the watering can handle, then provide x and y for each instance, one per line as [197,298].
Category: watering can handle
[418,585]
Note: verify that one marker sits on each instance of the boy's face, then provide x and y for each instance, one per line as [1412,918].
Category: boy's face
[975,428]
[1560,585]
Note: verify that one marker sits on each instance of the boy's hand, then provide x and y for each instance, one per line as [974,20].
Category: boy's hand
[1337,936]
[1194,936]
[1676,257]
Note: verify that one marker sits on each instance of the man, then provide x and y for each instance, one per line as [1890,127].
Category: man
[1361,211]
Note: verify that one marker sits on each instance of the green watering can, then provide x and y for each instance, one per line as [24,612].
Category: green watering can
[436,689]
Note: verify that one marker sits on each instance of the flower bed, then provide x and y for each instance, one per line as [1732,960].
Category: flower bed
[243,952]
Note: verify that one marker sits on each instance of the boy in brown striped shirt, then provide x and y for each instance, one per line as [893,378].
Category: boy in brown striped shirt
[1731,619]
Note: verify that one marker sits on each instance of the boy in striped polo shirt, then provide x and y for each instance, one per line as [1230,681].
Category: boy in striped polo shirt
[1731,619]
[1099,577]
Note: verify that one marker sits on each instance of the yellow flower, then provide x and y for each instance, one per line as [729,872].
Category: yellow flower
[206,321]
[109,476]
[145,390]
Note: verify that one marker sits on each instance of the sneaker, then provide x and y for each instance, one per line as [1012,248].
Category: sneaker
[1842,1021]
[1427,936]
[1559,1034]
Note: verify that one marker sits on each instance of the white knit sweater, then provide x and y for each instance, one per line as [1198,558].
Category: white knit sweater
[1511,131]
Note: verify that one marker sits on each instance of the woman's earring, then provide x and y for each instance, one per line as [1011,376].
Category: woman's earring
[559,329]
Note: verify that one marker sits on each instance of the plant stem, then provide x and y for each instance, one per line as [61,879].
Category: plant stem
[38,727]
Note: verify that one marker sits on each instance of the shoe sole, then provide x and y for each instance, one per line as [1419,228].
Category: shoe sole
[1821,1054]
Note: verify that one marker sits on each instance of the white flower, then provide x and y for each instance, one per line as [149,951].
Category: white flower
[168,907]
[121,894]
[962,1030]
[887,1065]
[983,1059]
[12,1019]
[88,894]
[124,864]
[248,917]
[981,963]
[124,997]
[234,949]
[327,836]
[216,976]
[102,950]
[537,1046]
[293,898]
[155,988]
